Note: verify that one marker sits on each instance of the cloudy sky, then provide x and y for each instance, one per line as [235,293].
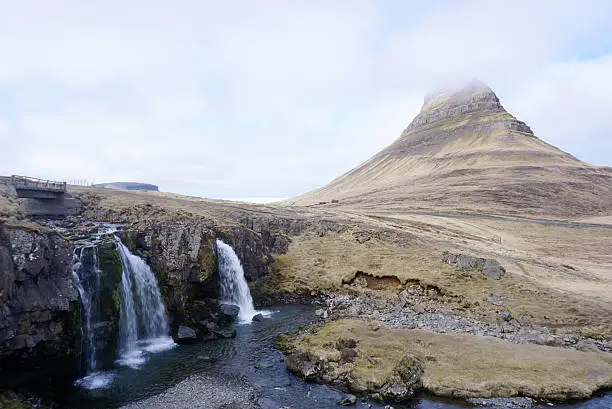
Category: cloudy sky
[274,98]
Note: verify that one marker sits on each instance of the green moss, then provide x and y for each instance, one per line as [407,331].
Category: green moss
[208,261]
[116,300]
[129,240]
[110,264]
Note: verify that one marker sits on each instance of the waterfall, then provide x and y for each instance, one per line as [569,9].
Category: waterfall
[86,275]
[234,288]
[143,323]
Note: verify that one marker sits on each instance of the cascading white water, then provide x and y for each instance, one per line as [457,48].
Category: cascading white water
[234,288]
[143,323]
[86,276]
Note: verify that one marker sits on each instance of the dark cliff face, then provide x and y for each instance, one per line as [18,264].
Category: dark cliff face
[183,255]
[100,273]
[183,258]
[39,323]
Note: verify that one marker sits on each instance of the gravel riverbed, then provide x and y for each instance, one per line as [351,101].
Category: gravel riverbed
[203,392]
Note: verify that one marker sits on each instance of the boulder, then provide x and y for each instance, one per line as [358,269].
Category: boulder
[490,268]
[228,312]
[305,364]
[185,335]
[405,382]
[214,331]
[258,317]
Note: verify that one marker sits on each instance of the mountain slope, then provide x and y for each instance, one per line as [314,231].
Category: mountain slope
[463,152]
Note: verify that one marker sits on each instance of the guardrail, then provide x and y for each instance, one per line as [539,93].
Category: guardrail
[35,183]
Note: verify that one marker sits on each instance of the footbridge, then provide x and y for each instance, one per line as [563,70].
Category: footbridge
[33,188]
[41,197]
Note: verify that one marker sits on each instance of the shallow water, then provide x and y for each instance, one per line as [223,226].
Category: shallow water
[252,355]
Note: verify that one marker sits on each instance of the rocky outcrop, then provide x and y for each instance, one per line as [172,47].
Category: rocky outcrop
[490,268]
[337,369]
[448,104]
[39,326]
[256,240]
[185,335]
[183,257]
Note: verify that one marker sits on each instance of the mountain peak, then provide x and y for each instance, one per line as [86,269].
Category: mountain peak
[445,103]
[465,152]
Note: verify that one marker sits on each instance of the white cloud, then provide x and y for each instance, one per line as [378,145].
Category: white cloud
[238,99]
[568,104]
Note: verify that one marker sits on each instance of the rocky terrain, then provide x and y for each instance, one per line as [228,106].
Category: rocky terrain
[38,304]
[416,246]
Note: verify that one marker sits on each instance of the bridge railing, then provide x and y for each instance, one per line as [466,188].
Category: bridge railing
[35,183]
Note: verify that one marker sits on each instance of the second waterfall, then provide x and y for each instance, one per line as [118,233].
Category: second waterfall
[234,288]
[143,324]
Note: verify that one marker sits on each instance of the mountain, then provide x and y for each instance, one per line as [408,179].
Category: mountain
[465,153]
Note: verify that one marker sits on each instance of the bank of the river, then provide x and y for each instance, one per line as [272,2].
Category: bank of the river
[390,344]
[373,359]
[231,373]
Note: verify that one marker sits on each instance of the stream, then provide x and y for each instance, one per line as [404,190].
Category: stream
[251,355]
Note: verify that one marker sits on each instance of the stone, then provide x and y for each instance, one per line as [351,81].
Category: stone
[229,310]
[348,400]
[185,335]
[208,326]
[410,371]
[492,269]
[505,315]
[488,267]
[226,332]
[258,317]
[319,312]
[304,364]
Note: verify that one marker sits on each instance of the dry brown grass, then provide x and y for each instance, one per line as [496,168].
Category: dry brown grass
[481,161]
[465,365]
[323,263]
[9,204]
[557,276]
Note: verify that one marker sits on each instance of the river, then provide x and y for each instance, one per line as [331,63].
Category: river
[251,355]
